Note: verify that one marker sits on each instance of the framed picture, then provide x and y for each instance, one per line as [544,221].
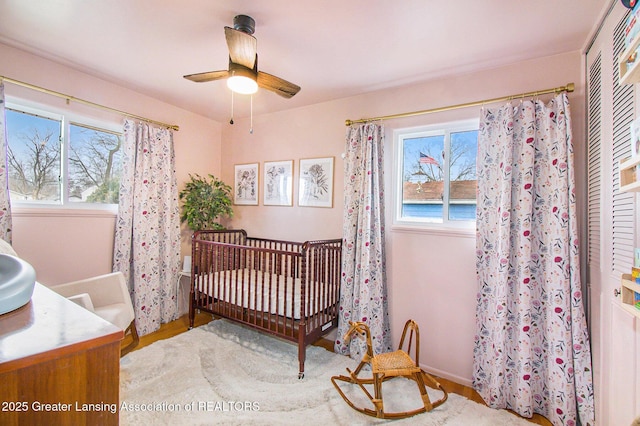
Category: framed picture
[316,182]
[245,187]
[278,183]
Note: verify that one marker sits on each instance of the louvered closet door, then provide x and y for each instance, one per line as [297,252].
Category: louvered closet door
[611,227]
[622,391]
[594,175]
[596,124]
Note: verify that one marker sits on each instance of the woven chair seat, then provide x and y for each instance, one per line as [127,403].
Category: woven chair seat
[397,363]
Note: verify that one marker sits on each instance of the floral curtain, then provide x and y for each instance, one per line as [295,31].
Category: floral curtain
[5,202]
[363,291]
[532,352]
[147,240]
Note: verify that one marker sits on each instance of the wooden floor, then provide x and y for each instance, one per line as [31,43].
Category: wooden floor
[182,324]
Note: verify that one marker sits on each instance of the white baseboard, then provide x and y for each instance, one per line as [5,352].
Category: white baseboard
[445,375]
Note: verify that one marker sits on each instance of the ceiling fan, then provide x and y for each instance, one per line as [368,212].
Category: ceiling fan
[243,75]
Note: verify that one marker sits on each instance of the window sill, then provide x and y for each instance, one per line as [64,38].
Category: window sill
[53,211]
[443,230]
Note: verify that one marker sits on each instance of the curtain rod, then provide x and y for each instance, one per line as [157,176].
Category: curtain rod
[570,87]
[82,101]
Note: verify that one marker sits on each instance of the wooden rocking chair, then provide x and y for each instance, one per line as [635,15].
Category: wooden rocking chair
[387,366]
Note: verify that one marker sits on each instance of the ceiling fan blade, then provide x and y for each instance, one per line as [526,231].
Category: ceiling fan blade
[242,47]
[207,76]
[277,85]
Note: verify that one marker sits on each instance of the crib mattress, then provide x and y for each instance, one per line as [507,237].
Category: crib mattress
[260,291]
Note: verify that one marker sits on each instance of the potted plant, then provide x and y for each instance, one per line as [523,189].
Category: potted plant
[204,200]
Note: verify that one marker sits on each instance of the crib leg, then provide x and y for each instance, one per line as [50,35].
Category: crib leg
[301,348]
[192,315]
[301,354]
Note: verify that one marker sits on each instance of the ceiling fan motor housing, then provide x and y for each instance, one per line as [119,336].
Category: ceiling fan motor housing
[244,23]
[237,69]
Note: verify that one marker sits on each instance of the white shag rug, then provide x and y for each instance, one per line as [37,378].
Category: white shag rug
[224,373]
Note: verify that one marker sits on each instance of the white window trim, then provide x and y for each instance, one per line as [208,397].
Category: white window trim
[67,118]
[447,227]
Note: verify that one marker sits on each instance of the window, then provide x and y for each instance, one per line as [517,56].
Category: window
[436,175]
[53,160]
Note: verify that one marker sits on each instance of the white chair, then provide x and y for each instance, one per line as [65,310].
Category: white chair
[6,248]
[108,297]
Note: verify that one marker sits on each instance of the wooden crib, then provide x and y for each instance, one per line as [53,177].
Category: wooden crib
[287,289]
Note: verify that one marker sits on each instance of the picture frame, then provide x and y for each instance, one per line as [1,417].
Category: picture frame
[315,186]
[278,183]
[245,185]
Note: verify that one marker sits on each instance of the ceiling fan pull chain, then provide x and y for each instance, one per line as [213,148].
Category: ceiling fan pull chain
[251,129]
[231,121]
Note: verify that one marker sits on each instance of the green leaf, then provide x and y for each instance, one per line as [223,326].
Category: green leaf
[204,200]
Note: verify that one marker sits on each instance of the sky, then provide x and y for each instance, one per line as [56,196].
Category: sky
[434,146]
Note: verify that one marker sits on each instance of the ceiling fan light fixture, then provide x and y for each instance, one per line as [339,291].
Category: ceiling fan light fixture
[242,81]
[243,76]
[242,85]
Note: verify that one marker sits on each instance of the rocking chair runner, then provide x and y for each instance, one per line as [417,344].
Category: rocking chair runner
[387,366]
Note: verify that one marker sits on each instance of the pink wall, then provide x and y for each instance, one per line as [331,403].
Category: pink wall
[65,245]
[316,131]
[431,275]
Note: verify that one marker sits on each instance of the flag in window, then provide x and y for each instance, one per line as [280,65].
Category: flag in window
[425,159]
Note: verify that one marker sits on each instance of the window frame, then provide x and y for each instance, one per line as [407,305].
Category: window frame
[66,118]
[399,223]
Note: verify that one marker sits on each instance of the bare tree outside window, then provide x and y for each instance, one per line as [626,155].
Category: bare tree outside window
[94,165]
[33,157]
[425,158]
[36,156]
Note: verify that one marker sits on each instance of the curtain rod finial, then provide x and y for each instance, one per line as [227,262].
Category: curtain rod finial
[348,122]
[571,87]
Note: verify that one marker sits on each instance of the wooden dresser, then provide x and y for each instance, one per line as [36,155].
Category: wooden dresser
[59,364]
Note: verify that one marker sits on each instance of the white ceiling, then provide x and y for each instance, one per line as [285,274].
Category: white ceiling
[331,48]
